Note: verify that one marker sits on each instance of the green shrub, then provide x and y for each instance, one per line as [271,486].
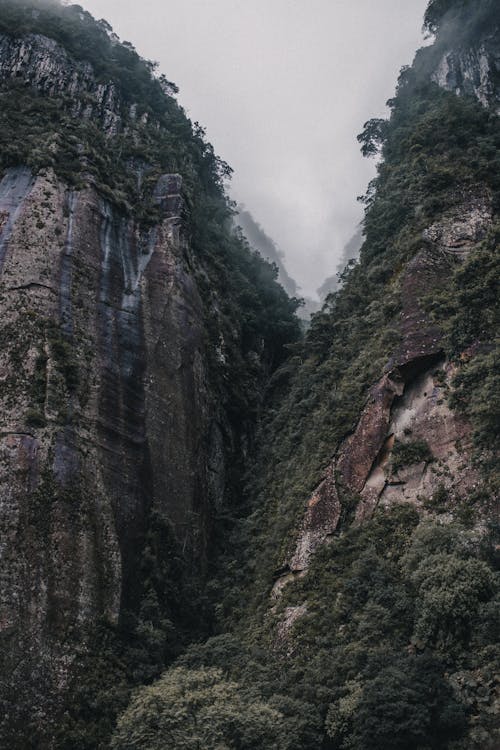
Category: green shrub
[406,706]
[406,454]
[438,501]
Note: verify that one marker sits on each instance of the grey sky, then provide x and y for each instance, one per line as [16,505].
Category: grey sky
[283,87]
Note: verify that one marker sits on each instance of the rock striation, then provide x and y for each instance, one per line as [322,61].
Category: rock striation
[472,72]
[44,64]
[108,415]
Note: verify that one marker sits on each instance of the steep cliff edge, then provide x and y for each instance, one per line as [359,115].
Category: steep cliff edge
[368,557]
[130,370]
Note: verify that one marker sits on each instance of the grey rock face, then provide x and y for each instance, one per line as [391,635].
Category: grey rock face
[462,228]
[14,188]
[106,413]
[472,72]
[45,65]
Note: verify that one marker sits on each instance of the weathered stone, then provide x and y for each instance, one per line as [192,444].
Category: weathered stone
[407,397]
[85,289]
[360,450]
[44,64]
[472,71]
[460,230]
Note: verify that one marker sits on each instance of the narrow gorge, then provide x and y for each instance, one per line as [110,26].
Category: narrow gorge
[218,530]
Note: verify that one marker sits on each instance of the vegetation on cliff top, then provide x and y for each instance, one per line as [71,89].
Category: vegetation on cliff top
[468,17]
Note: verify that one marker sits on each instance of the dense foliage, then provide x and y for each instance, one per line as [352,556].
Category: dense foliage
[201,708]
[396,650]
[467,17]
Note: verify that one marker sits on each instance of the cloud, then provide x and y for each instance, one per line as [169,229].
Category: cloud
[283,87]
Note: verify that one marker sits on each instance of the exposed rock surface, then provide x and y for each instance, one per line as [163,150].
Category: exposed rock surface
[472,71]
[107,413]
[408,403]
[103,418]
[45,65]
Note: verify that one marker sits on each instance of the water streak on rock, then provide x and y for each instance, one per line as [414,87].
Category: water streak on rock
[14,189]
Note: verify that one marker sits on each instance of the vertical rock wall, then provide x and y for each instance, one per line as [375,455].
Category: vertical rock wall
[105,413]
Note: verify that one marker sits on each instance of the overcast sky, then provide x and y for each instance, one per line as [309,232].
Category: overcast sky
[283,87]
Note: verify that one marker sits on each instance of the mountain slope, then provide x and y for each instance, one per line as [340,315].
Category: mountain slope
[137,332]
[359,595]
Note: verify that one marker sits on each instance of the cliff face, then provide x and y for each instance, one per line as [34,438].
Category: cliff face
[472,70]
[115,415]
[409,404]
[44,64]
[106,411]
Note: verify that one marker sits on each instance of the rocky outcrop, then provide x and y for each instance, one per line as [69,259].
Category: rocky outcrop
[106,412]
[320,521]
[407,405]
[44,64]
[108,416]
[459,230]
[472,72]
[422,416]
[14,188]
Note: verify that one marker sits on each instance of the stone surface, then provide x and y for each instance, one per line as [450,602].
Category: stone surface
[423,414]
[284,641]
[407,403]
[107,415]
[84,288]
[320,521]
[472,71]
[45,65]
[460,229]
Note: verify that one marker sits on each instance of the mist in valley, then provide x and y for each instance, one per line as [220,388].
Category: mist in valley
[283,88]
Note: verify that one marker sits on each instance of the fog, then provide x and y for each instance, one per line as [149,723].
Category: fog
[283,87]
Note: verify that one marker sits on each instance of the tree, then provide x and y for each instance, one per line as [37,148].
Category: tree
[373,136]
[450,591]
[200,710]
[406,706]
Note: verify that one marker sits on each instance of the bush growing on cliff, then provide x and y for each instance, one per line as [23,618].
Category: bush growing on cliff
[412,452]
